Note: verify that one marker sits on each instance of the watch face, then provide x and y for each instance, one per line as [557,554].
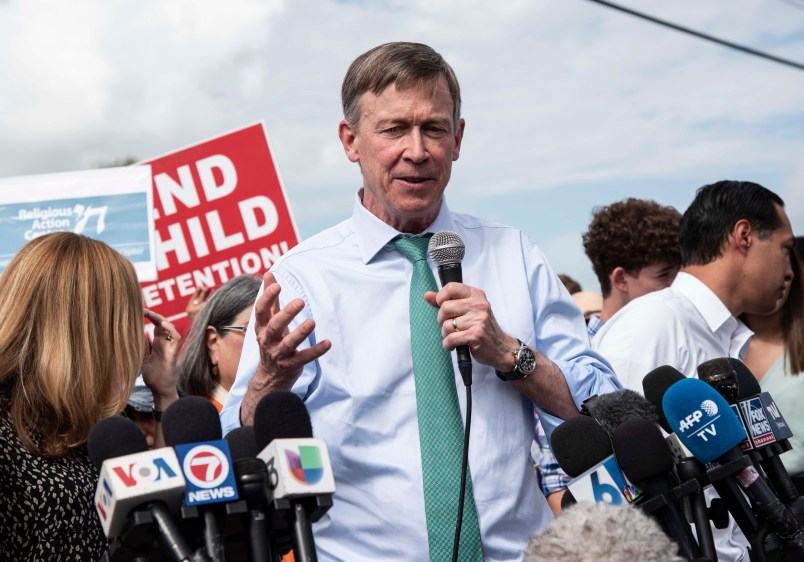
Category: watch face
[525,360]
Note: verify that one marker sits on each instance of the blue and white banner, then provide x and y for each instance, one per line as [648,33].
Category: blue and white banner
[114,205]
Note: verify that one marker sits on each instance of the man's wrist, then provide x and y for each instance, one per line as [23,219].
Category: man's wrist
[509,346]
[524,363]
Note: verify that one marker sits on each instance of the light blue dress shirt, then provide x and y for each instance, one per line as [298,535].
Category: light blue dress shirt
[361,394]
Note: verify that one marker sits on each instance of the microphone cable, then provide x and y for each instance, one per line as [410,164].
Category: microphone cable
[466,373]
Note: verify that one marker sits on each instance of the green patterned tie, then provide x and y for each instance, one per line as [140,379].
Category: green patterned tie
[440,423]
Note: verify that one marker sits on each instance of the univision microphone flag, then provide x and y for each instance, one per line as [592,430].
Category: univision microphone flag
[298,467]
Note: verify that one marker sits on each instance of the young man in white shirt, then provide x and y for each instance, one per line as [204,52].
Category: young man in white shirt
[633,247]
[736,242]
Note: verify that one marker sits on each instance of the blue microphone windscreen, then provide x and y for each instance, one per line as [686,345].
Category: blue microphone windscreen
[702,419]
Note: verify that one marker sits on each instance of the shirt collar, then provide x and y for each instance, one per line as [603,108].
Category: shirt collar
[713,311]
[711,308]
[373,234]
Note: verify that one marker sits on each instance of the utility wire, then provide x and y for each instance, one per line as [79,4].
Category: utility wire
[700,35]
[798,5]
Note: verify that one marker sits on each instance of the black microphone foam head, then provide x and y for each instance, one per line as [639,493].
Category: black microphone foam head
[189,420]
[655,384]
[114,437]
[719,374]
[446,247]
[641,450]
[579,444]
[714,368]
[242,443]
[281,415]
[612,409]
[747,384]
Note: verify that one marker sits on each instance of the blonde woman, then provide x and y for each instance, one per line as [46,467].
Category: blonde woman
[71,344]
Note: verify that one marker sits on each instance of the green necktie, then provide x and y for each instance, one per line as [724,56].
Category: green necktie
[440,423]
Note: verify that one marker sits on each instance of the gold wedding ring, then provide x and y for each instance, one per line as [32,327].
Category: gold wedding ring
[455,325]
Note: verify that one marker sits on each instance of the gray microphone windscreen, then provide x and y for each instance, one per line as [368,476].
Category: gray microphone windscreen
[446,247]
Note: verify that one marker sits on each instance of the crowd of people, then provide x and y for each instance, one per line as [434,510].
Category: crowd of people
[353,321]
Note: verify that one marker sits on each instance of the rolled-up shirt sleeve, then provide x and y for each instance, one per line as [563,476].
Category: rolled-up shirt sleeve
[560,334]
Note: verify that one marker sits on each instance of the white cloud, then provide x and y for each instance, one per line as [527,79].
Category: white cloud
[54,76]
[556,94]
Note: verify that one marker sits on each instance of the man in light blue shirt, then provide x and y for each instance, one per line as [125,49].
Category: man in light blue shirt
[339,334]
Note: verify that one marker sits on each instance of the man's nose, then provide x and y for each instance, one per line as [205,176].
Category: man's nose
[415,149]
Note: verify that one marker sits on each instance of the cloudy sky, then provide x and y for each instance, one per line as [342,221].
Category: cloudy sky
[568,104]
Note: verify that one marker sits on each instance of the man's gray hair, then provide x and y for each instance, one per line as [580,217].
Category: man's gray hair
[601,533]
[406,65]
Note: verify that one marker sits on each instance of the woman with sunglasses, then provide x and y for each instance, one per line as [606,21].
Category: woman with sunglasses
[212,351]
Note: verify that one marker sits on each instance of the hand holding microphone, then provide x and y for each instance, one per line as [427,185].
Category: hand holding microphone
[464,312]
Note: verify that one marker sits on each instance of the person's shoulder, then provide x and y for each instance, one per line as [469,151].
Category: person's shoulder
[653,311]
[664,302]
[331,238]
[475,227]
[469,222]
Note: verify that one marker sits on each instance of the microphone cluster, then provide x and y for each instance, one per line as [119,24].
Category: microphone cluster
[719,431]
[252,496]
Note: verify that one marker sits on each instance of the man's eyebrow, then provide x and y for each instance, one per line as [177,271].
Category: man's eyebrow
[391,121]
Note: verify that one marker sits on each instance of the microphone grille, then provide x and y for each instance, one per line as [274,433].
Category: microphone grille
[715,369]
[745,379]
[446,247]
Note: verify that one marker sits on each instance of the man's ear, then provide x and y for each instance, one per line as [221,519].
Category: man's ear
[456,150]
[348,135]
[213,344]
[742,235]
[617,279]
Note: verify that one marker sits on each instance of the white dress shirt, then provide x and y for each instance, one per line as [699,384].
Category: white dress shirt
[361,394]
[681,326]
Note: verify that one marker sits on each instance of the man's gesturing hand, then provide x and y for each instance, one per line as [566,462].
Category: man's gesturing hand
[281,362]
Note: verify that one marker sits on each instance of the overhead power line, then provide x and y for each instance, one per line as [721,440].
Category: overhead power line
[700,35]
[793,3]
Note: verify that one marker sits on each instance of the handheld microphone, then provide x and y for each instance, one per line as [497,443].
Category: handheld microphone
[612,409]
[583,450]
[706,424]
[758,409]
[688,468]
[447,250]
[646,461]
[300,480]
[137,479]
[749,389]
[655,384]
[720,376]
[252,476]
[191,425]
